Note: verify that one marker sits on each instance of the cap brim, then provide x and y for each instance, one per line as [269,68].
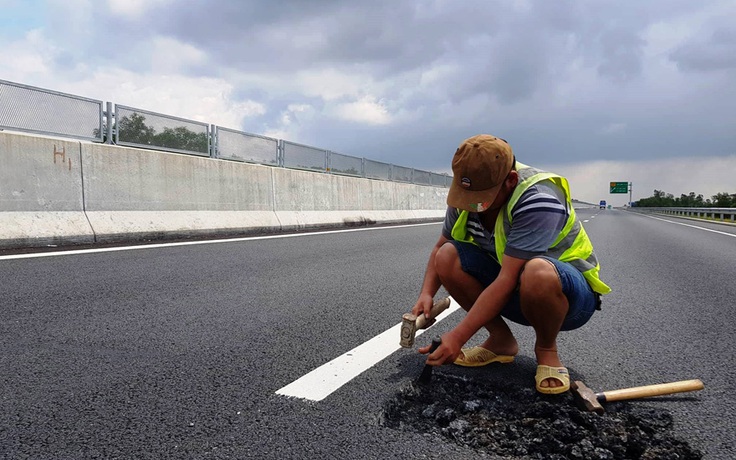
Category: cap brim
[472,201]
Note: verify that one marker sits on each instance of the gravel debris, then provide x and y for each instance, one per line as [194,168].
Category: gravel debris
[519,423]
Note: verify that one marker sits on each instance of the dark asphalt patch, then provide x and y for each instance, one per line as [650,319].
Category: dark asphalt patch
[519,423]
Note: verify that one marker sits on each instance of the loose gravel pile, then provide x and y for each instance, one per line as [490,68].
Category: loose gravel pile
[520,423]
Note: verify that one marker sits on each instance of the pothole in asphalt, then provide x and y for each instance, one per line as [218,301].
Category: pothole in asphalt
[519,423]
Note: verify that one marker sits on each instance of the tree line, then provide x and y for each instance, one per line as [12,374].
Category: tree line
[661,199]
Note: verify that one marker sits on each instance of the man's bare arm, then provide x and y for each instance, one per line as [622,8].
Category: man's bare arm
[431,283]
[488,305]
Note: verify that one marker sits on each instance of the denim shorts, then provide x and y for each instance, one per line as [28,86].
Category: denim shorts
[582,300]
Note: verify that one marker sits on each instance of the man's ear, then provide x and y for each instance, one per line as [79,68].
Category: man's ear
[512,180]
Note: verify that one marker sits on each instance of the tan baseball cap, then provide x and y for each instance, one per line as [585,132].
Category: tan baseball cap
[479,167]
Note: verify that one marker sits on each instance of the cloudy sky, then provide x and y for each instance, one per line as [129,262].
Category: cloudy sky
[598,90]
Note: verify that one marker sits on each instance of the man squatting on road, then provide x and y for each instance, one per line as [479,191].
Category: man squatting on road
[511,247]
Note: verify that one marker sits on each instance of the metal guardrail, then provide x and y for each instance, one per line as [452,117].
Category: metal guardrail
[41,111]
[151,130]
[298,156]
[725,214]
[235,145]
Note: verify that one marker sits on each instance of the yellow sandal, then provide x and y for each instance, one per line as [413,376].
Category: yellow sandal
[479,356]
[548,372]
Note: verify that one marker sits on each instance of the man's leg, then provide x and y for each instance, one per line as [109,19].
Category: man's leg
[544,305]
[465,289]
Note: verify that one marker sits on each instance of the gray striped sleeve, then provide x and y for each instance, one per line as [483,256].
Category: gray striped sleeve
[537,219]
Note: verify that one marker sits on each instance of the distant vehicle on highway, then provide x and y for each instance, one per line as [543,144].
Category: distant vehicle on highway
[602,204]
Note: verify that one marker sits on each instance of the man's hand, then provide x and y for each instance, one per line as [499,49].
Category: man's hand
[423,305]
[446,353]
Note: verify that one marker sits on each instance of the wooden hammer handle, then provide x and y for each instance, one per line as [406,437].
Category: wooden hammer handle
[650,390]
[410,323]
[438,307]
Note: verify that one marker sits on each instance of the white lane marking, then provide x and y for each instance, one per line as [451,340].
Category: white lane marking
[693,226]
[324,380]
[192,243]
[586,220]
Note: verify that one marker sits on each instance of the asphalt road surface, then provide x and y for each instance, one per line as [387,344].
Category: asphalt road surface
[178,351]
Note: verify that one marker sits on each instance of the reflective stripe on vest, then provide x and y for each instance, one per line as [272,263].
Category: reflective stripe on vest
[572,245]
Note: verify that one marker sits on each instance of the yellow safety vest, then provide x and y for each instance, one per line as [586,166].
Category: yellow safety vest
[572,245]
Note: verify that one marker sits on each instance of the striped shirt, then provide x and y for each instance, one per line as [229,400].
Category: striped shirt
[537,219]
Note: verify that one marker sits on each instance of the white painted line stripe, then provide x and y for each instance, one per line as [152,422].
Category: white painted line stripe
[326,379]
[193,243]
[693,226]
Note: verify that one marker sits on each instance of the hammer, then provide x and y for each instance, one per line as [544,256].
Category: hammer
[410,323]
[591,401]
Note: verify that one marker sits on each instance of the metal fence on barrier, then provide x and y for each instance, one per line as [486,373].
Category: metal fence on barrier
[141,128]
[345,164]
[401,174]
[723,214]
[298,156]
[239,146]
[42,111]
[377,170]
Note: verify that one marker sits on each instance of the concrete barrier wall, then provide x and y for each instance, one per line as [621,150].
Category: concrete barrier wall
[304,199]
[147,194]
[97,192]
[41,192]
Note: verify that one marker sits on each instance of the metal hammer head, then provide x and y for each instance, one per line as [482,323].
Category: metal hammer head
[408,330]
[411,323]
[585,398]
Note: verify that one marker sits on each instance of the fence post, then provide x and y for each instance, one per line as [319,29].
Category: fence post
[211,141]
[215,133]
[110,123]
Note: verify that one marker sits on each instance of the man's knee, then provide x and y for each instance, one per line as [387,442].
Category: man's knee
[539,278]
[447,261]
[542,299]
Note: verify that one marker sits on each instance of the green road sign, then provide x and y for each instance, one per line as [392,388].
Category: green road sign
[619,187]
